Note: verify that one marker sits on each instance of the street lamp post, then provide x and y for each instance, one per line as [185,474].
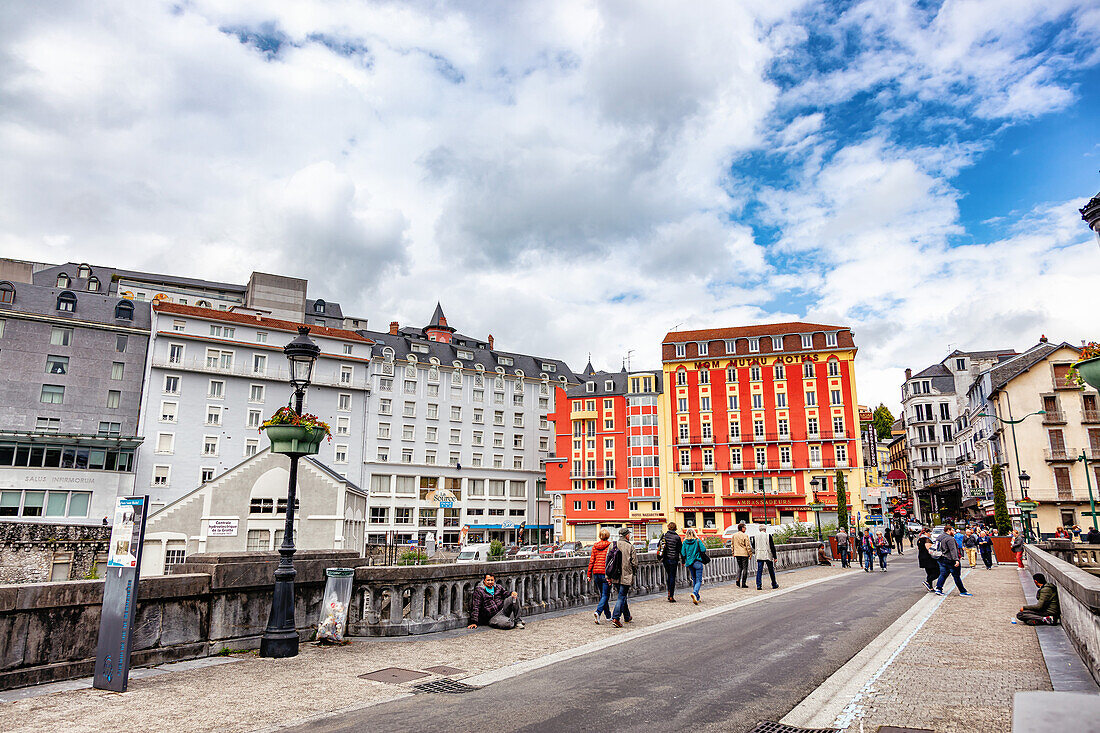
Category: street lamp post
[280,638]
[1088,482]
[814,483]
[1026,504]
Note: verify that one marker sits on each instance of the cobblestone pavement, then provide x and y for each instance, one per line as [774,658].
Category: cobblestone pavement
[257,693]
[961,669]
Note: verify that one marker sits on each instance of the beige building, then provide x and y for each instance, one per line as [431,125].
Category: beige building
[1051,445]
[244,509]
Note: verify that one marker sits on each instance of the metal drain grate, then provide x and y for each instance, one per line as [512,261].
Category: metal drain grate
[770,726]
[447,686]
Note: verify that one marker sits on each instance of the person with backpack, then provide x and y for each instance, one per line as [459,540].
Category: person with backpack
[882,549]
[742,549]
[868,545]
[597,566]
[622,563]
[927,560]
[842,548]
[668,552]
[695,558]
[949,560]
[765,556]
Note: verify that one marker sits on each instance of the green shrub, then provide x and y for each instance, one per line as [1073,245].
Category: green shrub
[412,557]
[712,543]
[496,548]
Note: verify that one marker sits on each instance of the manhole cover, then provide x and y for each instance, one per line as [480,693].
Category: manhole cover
[449,686]
[770,726]
[895,729]
[443,669]
[395,675]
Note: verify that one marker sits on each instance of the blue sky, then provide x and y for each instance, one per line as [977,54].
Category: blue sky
[578,176]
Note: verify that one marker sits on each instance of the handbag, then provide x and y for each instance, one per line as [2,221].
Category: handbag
[703,556]
[501,621]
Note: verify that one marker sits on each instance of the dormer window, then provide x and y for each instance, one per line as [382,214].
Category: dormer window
[830,339]
[777,343]
[93,285]
[84,271]
[609,385]
[66,302]
[754,345]
[504,360]
[7,293]
[64,281]
[203,303]
[807,340]
[681,351]
[731,346]
[589,386]
[463,354]
[548,367]
[702,348]
[124,310]
[319,306]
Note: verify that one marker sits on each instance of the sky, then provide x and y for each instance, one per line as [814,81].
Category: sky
[579,177]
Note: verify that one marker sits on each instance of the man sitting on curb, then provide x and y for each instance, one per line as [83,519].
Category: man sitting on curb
[1046,610]
[491,604]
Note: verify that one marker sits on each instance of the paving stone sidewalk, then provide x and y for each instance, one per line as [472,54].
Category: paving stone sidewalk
[961,669]
[256,693]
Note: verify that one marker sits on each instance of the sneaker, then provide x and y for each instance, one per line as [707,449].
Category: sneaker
[597,615]
[520,625]
[1048,620]
[616,623]
[774,587]
[964,593]
[927,585]
[671,599]
[628,620]
[1014,620]
[939,592]
[695,599]
[759,588]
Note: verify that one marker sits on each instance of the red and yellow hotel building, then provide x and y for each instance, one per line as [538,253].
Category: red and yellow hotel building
[754,413]
[605,471]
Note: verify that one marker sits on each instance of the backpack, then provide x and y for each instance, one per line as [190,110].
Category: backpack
[613,568]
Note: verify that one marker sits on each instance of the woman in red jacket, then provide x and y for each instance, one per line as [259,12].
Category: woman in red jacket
[597,563]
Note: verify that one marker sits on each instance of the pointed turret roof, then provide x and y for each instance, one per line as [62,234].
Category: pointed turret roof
[438,319]
[588,369]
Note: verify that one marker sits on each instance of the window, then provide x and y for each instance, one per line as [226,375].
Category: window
[591,505]
[777,343]
[702,345]
[406,455]
[66,302]
[179,326]
[168,412]
[681,350]
[213,415]
[216,389]
[346,374]
[945,411]
[258,540]
[841,451]
[210,445]
[220,331]
[251,447]
[161,475]
[166,443]
[830,339]
[57,365]
[754,345]
[811,398]
[175,353]
[171,384]
[838,426]
[52,394]
[731,401]
[754,373]
[343,404]
[757,401]
[61,336]
[124,310]
[834,368]
[479,416]
[261,337]
[704,404]
[343,425]
[778,371]
[431,434]
[110,428]
[47,425]
[807,341]
[456,413]
[681,404]
[834,397]
[256,393]
[704,378]
[259,364]
[340,454]
[7,292]
[120,342]
[219,359]
[807,370]
[117,370]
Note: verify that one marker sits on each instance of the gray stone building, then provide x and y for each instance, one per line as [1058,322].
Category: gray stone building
[457,435]
[73,359]
[932,400]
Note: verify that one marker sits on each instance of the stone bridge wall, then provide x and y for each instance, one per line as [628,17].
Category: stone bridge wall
[1078,598]
[213,602]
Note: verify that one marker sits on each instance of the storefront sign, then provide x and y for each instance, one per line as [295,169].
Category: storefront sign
[754,361]
[120,587]
[221,527]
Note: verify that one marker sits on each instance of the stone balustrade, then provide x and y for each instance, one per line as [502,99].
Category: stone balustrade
[221,601]
[1078,599]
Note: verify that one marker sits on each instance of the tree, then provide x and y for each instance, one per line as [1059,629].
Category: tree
[1000,506]
[883,420]
[841,501]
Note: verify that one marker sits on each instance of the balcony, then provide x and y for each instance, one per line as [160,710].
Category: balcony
[590,474]
[1092,416]
[1065,383]
[1054,417]
[1053,455]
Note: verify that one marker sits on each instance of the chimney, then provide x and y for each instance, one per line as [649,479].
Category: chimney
[1043,339]
[908,374]
[490,342]
[394,328]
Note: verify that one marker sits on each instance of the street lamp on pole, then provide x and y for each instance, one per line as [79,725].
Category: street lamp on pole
[814,483]
[280,638]
[1026,504]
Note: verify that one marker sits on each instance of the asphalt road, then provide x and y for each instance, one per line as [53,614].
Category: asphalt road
[727,672]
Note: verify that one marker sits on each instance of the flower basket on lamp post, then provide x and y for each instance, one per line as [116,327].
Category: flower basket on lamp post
[1087,370]
[293,434]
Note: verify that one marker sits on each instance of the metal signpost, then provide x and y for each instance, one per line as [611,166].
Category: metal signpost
[120,594]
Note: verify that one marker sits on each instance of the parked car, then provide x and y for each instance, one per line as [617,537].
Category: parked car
[936,532]
[548,550]
[511,551]
[527,552]
[652,546]
[473,553]
[914,526]
[568,549]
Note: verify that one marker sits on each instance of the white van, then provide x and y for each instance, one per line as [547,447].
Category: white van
[473,553]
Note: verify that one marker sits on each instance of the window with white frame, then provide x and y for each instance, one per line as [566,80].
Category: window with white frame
[256,393]
[259,364]
[340,454]
[807,340]
[429,457]
[830,339]
[431,434]
[171,384]
[161,474]
[219,359]
[216,389]
[406,455]
[213,414]
[168,411]
[777,343]
[343,403]
[383,430]
[754,345]
[703,347]
[681,350]
[811,398]
[251,447]
[343,425]
[807,370]
[166,443]
[346,374]
[408,409]
[210,445]
[261,337]
[834,368]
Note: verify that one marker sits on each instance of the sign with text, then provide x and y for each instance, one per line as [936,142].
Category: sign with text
[120,591]
[221,527]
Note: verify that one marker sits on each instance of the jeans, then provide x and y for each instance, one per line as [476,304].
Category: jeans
[742,570]
[605,594]
[898,541]
[695,570]
[621,608]
[670,577]
[868,559]
[987,557]
[881,560]
[760,572]
[845,558]
[949,568]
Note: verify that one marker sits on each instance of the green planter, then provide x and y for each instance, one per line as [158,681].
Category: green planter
[294,440]
[1089,369]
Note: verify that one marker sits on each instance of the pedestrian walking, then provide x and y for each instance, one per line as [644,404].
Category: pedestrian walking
[868,554]
[622,563]
[985,549]
[950,563]
[597,566]
[899,537]
[742,549]
[668,551]
[843,549]
[693,553]
[926,559]
[765,556]
[857,540]
[882,549]
[1018,548]
[970,546]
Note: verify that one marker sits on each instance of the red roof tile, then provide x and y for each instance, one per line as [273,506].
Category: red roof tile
[276,324]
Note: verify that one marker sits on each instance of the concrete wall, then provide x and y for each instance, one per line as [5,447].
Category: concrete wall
[1078,598]
[211,602]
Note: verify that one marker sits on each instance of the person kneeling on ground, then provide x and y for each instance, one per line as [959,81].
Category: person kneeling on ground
[1046,610]
[822,558]
[492,604]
